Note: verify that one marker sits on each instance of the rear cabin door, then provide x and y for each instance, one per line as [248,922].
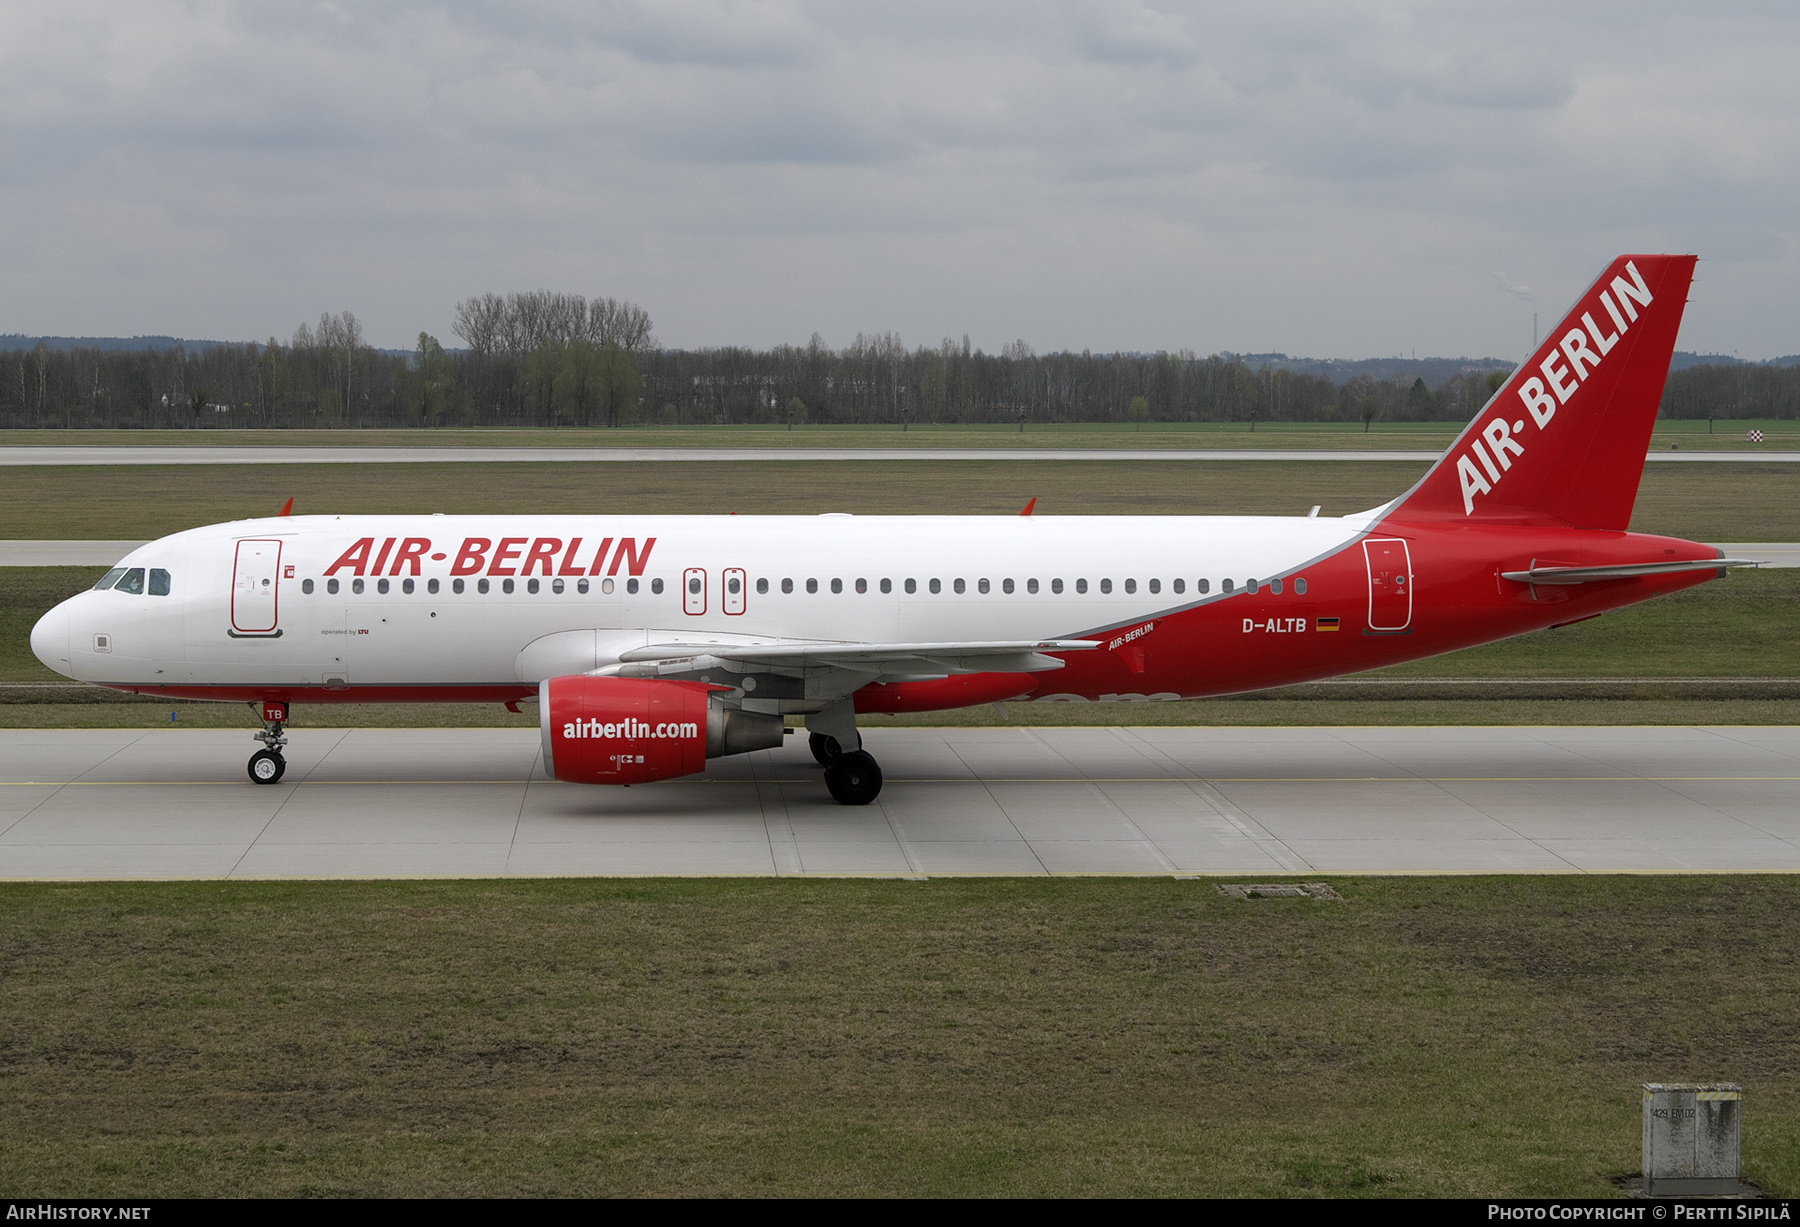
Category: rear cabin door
[1390,584]
[255,588]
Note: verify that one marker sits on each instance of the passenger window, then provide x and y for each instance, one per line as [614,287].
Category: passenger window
[1227,587]
[762,587]
[734,585]
[694,585]
[887,586]
[862,585]
[133,582]
[937,586]
[631,587]
[507,586]
[1299,587]
[787,585]
[331,585]
[431,586]
[481,585]
[306,586]
[356,586]
[406,586]
[960,587]
[656,586]
[606,587]
[1056,586]
[556,586]
[837,585]
[1202,586]
[1130,585]
[581,586]
[1106,586]
[381,586]
[1275,586]
[531,586]
[456,586]
[912,586]
[109,579]
[1180,586]
[981,586]
[812,585]
[1031,586]
[1155,586]
[1250,587]
[1081,586]
[159,582]
[1006,586]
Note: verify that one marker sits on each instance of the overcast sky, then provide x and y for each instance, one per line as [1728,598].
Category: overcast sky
[1327,179]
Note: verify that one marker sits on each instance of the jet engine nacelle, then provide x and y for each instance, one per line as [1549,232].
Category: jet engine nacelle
[627,730]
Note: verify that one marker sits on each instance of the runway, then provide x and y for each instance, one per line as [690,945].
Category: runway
[104,455]
[85,804]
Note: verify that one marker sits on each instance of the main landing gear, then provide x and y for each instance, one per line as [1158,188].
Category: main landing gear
[266,765]
[852,777]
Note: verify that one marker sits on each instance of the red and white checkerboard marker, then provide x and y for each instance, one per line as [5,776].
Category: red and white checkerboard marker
[1754,436]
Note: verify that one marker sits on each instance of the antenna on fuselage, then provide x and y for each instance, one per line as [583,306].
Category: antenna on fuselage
[287,508]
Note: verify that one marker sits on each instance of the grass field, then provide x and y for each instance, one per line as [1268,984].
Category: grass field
[1735,502]
[1779,435]
[1423,1037]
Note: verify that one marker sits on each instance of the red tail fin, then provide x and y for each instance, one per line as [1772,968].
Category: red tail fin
[1565,437]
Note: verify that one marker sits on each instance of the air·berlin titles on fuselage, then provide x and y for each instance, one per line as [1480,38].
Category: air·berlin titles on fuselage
[541,552]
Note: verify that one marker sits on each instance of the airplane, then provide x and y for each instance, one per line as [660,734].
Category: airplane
[652,644]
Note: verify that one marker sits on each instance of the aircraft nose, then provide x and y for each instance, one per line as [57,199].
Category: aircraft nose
[50,640]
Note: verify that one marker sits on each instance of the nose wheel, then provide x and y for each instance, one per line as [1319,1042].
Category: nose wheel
[266,765]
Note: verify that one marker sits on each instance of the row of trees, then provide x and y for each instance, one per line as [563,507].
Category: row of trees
[545,359]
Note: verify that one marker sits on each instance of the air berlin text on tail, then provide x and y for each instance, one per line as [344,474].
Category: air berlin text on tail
[1566,367]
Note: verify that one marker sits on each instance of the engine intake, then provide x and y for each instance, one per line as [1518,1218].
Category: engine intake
[624,730]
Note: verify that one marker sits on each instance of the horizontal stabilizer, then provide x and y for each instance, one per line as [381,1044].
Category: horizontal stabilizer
[1632,570]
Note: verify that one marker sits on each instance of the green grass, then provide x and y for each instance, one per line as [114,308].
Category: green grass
[1780,434]
[1464,1037]
[1702,502]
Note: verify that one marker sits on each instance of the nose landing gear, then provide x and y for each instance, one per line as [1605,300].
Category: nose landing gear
[266,766]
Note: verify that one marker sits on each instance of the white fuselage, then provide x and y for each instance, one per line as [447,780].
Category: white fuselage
[812,578]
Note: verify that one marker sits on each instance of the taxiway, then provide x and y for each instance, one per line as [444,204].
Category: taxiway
[78,804]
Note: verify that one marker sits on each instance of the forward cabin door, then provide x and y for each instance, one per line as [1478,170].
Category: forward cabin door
[1390,584]
[255,588]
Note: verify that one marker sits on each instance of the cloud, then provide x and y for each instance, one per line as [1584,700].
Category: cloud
[1309,177]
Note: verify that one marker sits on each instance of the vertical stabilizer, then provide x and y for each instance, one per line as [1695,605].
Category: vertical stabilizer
[1565,438]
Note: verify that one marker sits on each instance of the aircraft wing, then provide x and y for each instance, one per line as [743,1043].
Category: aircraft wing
[1630,570]
[1004,656]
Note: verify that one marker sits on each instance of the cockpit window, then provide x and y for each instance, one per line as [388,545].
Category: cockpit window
[133,582]
[159,582]
[109,579]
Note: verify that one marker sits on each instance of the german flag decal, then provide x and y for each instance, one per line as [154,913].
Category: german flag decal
[1326,624]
